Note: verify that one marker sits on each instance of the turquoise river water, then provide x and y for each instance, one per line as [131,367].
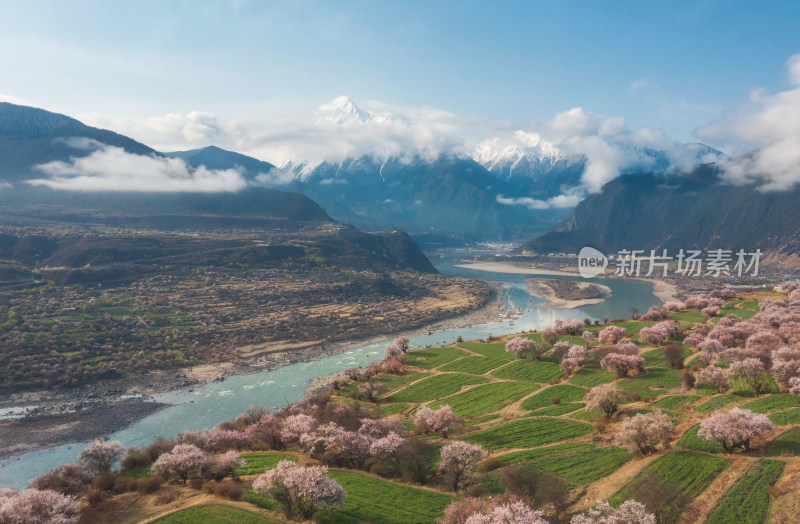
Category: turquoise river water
[206,406]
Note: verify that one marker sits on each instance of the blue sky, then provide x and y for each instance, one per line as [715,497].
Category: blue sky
[668,65]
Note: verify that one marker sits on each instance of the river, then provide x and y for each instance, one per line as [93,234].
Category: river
[206,406]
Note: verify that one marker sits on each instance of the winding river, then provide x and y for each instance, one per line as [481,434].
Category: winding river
[213,403]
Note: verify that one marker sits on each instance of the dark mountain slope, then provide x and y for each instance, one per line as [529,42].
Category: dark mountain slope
[30,136]
[695,210]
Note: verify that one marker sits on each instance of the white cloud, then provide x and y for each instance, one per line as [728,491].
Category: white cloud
[275,177]
[342,129]
[770,126]
[533,203]
[113,169]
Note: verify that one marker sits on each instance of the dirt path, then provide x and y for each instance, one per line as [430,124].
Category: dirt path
[704,504]
[785,507]
[606,487]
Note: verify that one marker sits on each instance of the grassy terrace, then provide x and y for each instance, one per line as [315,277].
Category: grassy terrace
[524,411]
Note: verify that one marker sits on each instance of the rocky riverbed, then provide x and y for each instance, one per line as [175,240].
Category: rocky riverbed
[53,418]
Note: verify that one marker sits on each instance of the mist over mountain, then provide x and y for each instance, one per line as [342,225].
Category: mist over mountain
[694,210]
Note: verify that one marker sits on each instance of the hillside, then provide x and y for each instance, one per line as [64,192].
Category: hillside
[30,136]
[537,432]
[690,211]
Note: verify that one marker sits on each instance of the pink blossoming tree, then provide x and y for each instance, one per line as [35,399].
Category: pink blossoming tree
[622,364]
[458,459]
[442,420]
[753,372]
[644,431]
[734,429]
[303,490]
[101,456]
[183,461]
[629,512]
[612,335]
[605,398]
[35,506]
[712,377]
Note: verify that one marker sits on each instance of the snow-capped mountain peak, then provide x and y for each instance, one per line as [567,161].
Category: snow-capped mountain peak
[343,111]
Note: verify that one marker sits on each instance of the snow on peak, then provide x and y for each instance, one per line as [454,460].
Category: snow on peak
[343,111]
[509,153]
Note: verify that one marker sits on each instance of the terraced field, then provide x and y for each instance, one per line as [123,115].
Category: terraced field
[474,365]
[497,350]
[532,371]
[691,472]
[528,433]
[371,499]
[747,502]
[487,398]
[787,443]
[435,357]
[718,402]
[435,387]
[561,393]
[585,466]
[771,403]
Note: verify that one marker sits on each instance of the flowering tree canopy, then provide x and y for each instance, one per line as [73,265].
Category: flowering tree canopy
[442,420]
[303,490]
[605,398]
[458,459]
[713,377]
[735,428]
[182,461]
[574,358]
[658,333]
[612,335]
[35,506]
[622,364]
[227,463]
[522,347]
[629,512]
[642,432]
[516,512]
[101,456]
[294,426]
[753,372]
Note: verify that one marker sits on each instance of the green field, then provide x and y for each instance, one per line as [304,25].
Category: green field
[487,398]
[784,418]
[691,315]
[528,433]
[675,402]
[497,350]
[786,444]
[474,365]
[656,381]
[771,403]
[261,462]
[692,441]
[584,467]
[530,370]
[435,387]
[558,409]
[655,357]
[547,451]
[691,472]
[432,358]
[563,392]
[591,377]
[374,500]
[217,514]
[747,502]
[394,409]
[394,381]
[718,402]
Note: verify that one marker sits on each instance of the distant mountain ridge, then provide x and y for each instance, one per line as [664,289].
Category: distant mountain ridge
[695,210]
[30,136]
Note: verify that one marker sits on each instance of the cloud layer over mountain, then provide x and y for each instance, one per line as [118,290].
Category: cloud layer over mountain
[109,168]
[770,126]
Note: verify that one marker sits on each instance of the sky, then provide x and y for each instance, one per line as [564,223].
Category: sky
[181,74]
